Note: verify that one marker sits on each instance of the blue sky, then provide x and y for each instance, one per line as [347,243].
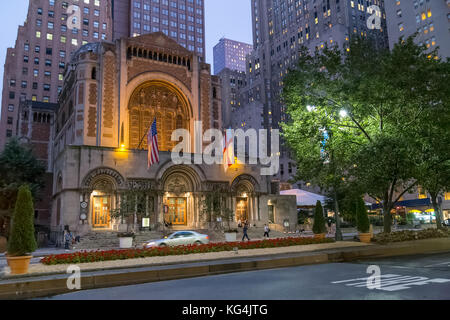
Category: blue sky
[224,18]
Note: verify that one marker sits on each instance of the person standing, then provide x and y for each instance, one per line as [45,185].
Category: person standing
[266,230]
[245,233]
[68,237]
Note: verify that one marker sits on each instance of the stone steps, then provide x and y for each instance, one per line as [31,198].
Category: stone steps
[109,240]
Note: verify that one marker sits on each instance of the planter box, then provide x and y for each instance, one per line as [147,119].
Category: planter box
[230,237]
[19,265]
[126,243]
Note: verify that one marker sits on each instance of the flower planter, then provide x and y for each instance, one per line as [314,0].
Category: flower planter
[19,265]
[126,242]
[365,237]
[230,236]
[319,236]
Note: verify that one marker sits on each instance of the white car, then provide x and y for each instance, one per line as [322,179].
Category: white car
[180,238]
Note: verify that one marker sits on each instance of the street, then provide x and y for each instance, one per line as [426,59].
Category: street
[412,277]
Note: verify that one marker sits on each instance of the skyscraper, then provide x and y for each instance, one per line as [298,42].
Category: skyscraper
[34,68]
[281,27]
[230,54]
[182,20]
[430,19]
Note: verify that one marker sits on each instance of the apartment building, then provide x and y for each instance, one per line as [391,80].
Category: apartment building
[181,20]
[430,19]
[34,67]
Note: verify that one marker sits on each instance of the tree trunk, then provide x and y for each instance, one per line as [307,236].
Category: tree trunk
[338,235]
[437,210]
[387,221]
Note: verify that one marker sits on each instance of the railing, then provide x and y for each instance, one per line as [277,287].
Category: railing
[57,238]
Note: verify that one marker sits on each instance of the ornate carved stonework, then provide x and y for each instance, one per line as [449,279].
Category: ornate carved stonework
[163,102]
[92,122]
[108,90]
[103,172]
[141,184]
[246,181]
[140,66]
[81,93]
[93,94]
[178,184]
[216,186]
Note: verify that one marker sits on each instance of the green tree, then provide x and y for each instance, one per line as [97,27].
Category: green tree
[22,241]
[374,104]
[319,220]
[18,166]
[132,203]
[362,219]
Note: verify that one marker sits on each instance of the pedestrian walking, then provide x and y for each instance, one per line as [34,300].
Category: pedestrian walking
[329,222]
[266,230]
[245,233]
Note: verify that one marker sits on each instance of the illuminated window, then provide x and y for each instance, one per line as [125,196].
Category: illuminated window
[49,36]
[422,193]
[38,34]
[75,42]
[447,196]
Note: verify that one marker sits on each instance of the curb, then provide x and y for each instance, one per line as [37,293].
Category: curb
[26,288]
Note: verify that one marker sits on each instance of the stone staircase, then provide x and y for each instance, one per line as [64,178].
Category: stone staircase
[104,240]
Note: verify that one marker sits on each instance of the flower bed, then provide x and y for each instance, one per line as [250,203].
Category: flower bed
[408,235]
[96,256]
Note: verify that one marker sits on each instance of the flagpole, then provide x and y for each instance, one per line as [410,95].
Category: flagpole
[139,146]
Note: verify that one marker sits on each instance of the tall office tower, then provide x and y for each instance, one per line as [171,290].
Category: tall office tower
[230,54]
[231,82]
[181,20]
[281,27]
[429,18]
[34,68]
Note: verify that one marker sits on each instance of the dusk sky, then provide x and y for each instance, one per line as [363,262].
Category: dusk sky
[230,19]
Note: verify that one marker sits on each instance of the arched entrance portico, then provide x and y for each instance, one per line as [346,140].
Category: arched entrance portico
[100,192]
[181,197]
[245,200]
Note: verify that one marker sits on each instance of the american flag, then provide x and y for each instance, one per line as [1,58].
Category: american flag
[152,142]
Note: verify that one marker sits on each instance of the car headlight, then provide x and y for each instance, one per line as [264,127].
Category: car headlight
[150,244]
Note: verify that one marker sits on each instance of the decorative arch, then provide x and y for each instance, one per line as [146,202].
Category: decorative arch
[163,101]
[244,183]
[103,179]
[180,179]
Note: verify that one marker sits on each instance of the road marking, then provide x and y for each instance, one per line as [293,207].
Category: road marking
[438,264]
[392,282]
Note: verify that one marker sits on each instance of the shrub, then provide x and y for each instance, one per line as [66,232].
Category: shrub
[95,256]
[22,240]
[319,220]
[409,235]
[362,219]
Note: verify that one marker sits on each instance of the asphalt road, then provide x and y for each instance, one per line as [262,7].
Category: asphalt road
[412,277]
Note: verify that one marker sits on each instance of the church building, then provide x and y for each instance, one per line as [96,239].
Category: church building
[111,95]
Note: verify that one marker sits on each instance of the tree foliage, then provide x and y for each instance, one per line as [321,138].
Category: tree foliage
[376,106]
[18,166]
[22,241]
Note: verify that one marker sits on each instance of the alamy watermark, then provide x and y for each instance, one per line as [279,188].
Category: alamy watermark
[257,147]
[74,17]
[74,280]
[374,21]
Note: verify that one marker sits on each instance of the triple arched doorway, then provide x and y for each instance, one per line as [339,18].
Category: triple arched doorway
[175,197]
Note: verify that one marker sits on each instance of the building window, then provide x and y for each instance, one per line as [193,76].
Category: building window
[11,108]
[10,120]
[8,133]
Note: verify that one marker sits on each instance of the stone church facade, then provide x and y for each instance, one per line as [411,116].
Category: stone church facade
[111,94]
